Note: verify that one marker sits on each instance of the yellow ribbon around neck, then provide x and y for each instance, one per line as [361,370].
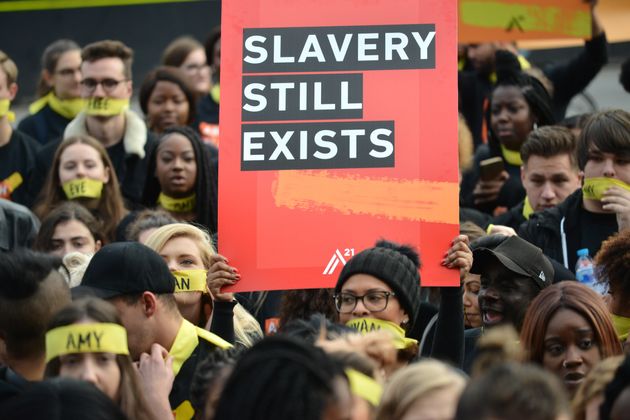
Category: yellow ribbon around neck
[5,105]
[215,93]
[594,188]
[527,208]
[86,338]
[512,157]
[366,325]
[83,187]
[364,387]
[178,205]
[190,281]
[106,107]
[67,108]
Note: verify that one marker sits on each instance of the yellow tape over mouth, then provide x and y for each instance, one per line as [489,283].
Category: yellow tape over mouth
[178,205]
[366,325]
[86,338]
[594,188]
[106,107]
[190,281]
[83,187]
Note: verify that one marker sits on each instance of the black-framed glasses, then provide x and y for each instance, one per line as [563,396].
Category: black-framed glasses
[108,84]
[375,301]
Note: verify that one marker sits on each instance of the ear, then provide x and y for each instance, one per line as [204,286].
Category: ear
[107,175]
[129,88]
[97,245]
[149,304]
[13,90]
[581,176]
[47,77]
[523,173]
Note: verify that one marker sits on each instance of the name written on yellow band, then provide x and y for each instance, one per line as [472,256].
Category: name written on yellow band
[190,281]
[86,338]
[178,205]
[83,187]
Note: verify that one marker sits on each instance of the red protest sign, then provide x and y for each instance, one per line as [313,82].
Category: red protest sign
[339,127]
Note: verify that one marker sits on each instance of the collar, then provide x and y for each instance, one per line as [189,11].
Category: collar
[527,208]
[622,326]
[67,108]
[135,132]
[186,342]
[178,205]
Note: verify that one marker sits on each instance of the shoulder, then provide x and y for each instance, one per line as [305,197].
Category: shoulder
[26,140]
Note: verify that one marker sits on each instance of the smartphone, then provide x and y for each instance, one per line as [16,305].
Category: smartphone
[491,168]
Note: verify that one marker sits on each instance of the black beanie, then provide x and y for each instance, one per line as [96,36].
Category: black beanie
[397,266]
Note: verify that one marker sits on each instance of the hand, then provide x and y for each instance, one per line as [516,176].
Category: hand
[221,274]
[502,230]
[617,200]
[156,373]
[459,256]
[488,191]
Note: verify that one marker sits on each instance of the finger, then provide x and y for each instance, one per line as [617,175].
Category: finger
[218,266]
[217,258]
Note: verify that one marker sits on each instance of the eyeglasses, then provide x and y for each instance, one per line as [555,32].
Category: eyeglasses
[373,301]
[108,84]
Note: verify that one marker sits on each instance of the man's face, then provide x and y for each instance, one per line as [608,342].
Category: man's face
[548,181]
[110,77]
[138,330]
[504,296]
[608,165]
[481,57]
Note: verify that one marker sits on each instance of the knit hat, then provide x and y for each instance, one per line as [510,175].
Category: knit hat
[393,264]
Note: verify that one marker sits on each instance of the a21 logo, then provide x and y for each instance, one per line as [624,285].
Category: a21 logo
[338,257]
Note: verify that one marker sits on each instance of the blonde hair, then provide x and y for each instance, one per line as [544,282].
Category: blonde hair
[9,68]
[594,384]
[246,329]
[414,382]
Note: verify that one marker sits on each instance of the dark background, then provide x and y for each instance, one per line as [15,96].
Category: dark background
[147,29]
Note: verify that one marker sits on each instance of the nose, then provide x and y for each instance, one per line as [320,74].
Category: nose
[467,301]
[99,91]
[172,265]
[573,357]
[67,248]
[178,163]
[548,192]
[169,105]
[80,171]
[609,168]
[487,293]
[88,371]
[360,310]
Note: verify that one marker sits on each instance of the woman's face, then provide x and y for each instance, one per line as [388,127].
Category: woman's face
[472,315]
[101,369]
[81,161]
[73,236]
[66,79]
[361,285]
[176,168]
[167,106]
[182,253]
[570,348]
[197,70]
[511,118]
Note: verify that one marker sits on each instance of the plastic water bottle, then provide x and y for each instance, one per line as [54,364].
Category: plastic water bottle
[585,271]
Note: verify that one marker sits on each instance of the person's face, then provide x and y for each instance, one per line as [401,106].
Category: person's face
[510,117]
[73,236]
[362,284]
[571,348]
[472,316]
[182,253]
[101,369]
[133,319]
[66,78]
[607,165]
[197,70]
[167,106]
[6,91]
[176,168]
[440,404]
[111,69]
[81,161]
[548,181]
[481,57]
[504,296]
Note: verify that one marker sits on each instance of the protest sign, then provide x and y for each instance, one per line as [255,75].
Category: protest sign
[510,20]
[339,127]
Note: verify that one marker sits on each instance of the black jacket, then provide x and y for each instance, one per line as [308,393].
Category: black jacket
[513,217]
[45,125]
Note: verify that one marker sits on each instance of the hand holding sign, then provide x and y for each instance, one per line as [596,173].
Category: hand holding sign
[459,256]
[221,274]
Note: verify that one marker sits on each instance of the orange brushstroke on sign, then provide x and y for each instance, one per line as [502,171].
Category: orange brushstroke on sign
[416,200]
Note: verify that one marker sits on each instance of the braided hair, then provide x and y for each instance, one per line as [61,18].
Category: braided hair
[205,185]
[279,378]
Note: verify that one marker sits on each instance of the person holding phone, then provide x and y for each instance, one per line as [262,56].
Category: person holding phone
[518,104]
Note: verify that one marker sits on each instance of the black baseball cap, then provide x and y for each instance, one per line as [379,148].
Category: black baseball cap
[125,268]
[518,256]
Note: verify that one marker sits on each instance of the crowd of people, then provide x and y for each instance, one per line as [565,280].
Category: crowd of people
[112,299]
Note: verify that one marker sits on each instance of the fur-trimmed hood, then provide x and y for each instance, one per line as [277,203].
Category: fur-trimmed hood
[135,132]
